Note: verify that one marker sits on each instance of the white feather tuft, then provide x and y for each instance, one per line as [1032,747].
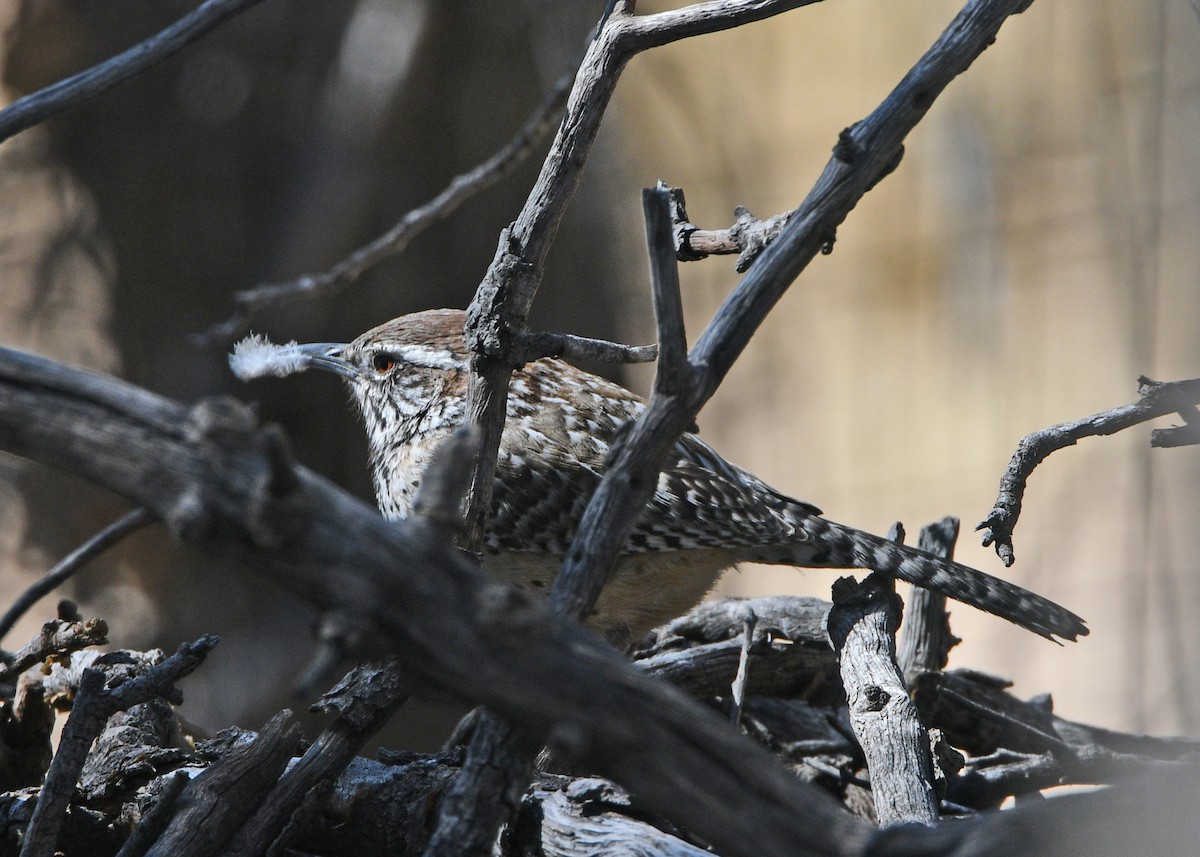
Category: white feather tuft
[255,356]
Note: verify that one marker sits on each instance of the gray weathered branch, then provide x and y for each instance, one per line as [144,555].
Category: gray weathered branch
[862,626]
[1158,399]
[925,638]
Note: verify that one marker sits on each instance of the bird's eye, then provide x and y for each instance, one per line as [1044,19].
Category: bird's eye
[383,363]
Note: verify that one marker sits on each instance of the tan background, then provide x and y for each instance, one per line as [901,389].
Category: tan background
[1035,252]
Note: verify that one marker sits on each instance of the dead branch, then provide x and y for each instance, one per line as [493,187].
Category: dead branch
[71,563]
[395,241]
[364,701]
[1158,399]
[535,345]
[41,105]
[57,638]
[352,811]
[223,486]
[502,302]
[94,704]
[215,804]
[701,651]
[748,236]
[925,638]
[864,154]
[862,627]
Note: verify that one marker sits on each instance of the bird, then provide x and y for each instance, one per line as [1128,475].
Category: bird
[408,378]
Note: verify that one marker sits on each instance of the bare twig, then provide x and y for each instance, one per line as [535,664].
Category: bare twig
[864,154]
[674,373]
[58,637]
[496,319]
[1158,399]
[41,105]
[701,651]
[699,19]
[71,563]
[748,236]
[533,346]
[396,240]
[502,302]
[738,688]
[594,552]
[94,704]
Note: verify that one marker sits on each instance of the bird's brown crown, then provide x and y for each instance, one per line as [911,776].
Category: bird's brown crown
[435,332]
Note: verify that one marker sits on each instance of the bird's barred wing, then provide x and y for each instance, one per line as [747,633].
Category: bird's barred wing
[549,468]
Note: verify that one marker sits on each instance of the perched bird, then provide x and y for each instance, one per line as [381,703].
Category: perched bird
[409,380]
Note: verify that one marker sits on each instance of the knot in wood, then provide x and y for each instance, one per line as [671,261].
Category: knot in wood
[875,698]
[847,149]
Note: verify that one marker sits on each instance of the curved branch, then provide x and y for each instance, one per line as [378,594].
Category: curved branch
[396,240]
[71,563]
[36,107]
[1158,399]
[217,481]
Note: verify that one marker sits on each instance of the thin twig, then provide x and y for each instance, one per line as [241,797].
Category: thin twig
[738,688]
[71,563]
[1158,399]
[396,240]
[748,236]
[58,637]
[534,345]
[41,105]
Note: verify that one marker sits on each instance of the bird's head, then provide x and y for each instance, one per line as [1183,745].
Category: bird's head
[396,372]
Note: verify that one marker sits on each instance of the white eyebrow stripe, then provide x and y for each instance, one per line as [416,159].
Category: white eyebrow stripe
[431,358]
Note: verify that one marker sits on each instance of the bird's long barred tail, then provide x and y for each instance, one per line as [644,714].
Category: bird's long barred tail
[836,546]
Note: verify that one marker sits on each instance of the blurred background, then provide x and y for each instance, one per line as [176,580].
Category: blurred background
[1036,251]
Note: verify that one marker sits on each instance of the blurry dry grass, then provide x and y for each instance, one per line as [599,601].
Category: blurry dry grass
[1035,252]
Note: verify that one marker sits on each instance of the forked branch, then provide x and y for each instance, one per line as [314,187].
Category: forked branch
[1158,399]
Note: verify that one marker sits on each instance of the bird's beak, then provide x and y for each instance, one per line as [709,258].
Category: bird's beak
[328,356]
